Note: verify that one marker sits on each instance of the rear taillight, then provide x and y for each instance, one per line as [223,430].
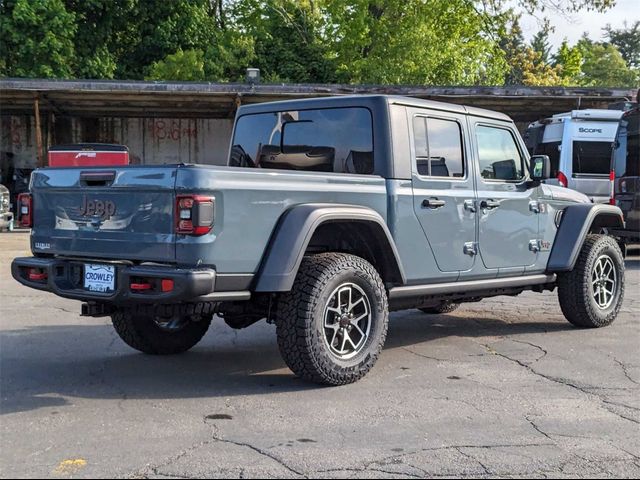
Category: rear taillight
[612,190]
[194,214]
[25,210]
[37,274]
[562,179]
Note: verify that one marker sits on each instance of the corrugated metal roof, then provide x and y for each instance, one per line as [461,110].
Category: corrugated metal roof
[110,98]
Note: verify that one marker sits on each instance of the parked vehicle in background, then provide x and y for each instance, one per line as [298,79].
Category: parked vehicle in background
[6,215]
[88,155]
[579,144]
[625,165]
[339,210]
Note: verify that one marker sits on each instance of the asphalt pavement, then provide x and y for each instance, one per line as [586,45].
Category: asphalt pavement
[500,388]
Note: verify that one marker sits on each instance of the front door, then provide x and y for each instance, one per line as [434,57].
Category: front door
[507,208]
[443,191]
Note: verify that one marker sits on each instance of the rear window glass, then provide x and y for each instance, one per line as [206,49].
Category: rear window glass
[552,150]
[325,140]
[591,158]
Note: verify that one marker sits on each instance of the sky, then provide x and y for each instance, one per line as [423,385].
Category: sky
[577,23]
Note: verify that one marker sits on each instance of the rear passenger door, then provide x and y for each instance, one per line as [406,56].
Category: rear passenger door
[507,207]
[443,188]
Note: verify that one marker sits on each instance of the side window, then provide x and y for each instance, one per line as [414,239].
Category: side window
[498,154]
[438,146]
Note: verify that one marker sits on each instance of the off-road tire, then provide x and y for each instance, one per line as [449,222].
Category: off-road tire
[300,319]
[139,330]
[575,291]
[442,307]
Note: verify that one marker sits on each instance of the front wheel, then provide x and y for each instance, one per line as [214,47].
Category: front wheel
[159,335]
[333,323]
[591,294]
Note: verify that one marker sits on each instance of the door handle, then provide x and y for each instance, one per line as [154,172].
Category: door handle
[433,203]
[489,204]
[470,205]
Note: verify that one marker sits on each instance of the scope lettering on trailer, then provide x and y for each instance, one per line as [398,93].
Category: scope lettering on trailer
[589,130]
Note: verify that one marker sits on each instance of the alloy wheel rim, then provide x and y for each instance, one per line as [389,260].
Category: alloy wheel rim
[604,282]
[347,321]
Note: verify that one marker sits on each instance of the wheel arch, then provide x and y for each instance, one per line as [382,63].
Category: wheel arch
[323,227]
[577,222]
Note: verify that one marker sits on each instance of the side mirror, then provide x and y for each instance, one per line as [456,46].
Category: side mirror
[540,168]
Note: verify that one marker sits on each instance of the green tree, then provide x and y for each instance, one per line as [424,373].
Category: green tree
[158,29]
[512,44]
[540,41]
[104,26]
[413,42]
[229,58]
[627,40]
[288,43]
[182,65]
[36,39]
[568,60]
[604,66]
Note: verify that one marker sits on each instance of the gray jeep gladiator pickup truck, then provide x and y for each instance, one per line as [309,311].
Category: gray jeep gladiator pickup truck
[331,213]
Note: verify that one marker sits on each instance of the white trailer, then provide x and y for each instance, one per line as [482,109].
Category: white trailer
[579,145]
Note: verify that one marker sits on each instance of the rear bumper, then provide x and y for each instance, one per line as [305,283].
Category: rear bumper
[65,279]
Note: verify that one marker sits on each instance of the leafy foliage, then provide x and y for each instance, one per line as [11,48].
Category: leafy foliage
[411,41]
[604,66]
[434,42]
[540,42]
[288,42]
[36,38]
[182,65]
[627,40]
[568,60]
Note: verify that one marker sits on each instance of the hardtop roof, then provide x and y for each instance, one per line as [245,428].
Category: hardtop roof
[369,101]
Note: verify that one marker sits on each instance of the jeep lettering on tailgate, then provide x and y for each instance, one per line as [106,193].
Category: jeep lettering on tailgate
[331,213]
[104,209]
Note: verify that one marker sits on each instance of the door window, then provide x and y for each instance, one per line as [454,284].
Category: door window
[498,153]
[438,147]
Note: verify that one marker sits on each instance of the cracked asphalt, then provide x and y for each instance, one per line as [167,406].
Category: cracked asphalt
[501,388]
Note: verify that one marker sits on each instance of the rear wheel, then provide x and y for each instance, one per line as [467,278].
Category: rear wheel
[333,323]
[159,335]
[442,307]
[591,294]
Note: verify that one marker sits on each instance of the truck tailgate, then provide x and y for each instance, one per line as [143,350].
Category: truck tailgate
[111,213]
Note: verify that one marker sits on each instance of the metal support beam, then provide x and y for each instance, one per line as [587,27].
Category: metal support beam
[39,149]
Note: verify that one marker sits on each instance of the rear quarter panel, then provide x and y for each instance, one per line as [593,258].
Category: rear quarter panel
[249,203]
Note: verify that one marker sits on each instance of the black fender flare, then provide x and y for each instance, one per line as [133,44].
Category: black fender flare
[576,223]
[293,233]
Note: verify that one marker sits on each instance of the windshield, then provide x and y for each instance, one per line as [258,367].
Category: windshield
[591,158]
[626,162]
[327,140]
